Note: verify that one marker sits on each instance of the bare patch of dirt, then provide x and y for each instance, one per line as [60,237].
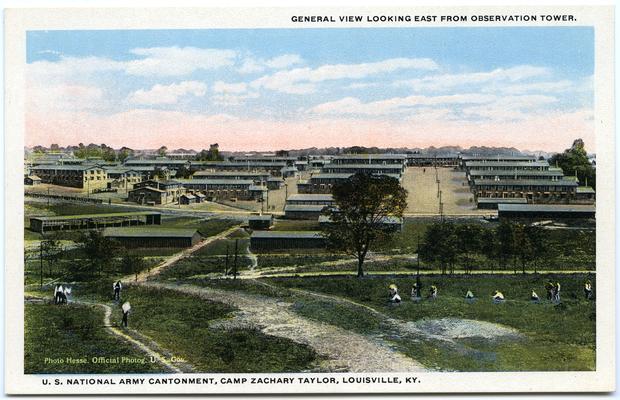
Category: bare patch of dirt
[456,328]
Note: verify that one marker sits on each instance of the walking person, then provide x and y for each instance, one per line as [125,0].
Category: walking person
[117,290]
[126,307]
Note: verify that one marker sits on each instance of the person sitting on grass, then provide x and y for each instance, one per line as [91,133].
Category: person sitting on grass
[432,294]
[587,290]
[498,297]
[394,296]
[469,296]
[534,296]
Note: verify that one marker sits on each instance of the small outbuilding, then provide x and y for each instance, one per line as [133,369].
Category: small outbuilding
[32,180]
[260,222]
[187,199]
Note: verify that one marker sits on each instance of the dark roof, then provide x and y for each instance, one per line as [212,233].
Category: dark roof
[94,216]
[585,189]
[512,172]
[287,235]
[576,208]
[498,157]
[151,188]
[217,181]
[66,167]
[304,207]
[264,217]
[426,155]
[310,197]
[524,182]
[363,166]
[473,164]
[388,220]
[493,200]
[149,232]
[231,173]
[370,157]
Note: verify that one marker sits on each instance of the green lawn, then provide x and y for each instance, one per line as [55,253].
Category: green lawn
[553,337]
[181,324]
[74,332]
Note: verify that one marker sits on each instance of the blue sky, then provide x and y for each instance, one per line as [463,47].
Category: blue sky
[397,87]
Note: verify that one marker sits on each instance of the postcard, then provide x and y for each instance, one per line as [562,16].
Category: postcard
[310,200]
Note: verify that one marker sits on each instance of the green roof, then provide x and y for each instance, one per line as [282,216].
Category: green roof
[94,216]
[148,232]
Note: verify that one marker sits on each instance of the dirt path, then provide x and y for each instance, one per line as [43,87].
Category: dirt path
[142,343]
[444,330]
[125,336]
[144,275]
[344,350]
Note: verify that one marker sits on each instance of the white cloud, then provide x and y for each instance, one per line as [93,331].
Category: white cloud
[176,61]
[253,65]
[303,80]
[64,97]
[223,87]
[232,99]
[284,61]
[167,94]
[448,81]
[352,105]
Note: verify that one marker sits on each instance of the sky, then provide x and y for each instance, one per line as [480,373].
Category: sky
[270,89]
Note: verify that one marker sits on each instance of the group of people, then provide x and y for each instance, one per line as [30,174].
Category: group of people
[61,293]
[553,293]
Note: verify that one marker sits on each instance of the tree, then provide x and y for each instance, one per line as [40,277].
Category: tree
[440,245]
[574,161]
[132,264]
[539,244]
[99,251]
[468,244]
[124,153]
[183,172]
[523,248]
[51,252]
[362,203]
[162,151]
[213,154]
[504,242]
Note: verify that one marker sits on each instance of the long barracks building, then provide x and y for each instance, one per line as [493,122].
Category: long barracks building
[79,176]
[323,183]
[537,190]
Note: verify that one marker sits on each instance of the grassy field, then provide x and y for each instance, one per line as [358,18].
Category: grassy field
[553,337]
[181,324]
[74,332]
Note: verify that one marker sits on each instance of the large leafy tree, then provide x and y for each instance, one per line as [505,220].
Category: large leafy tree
[505,242]
[440,245]
[574,161]
[99,251]
[362,204]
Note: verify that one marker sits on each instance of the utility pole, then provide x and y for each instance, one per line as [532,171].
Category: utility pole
[41,260]
[285,194]
[236,254]
[226,267]
[418,257]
